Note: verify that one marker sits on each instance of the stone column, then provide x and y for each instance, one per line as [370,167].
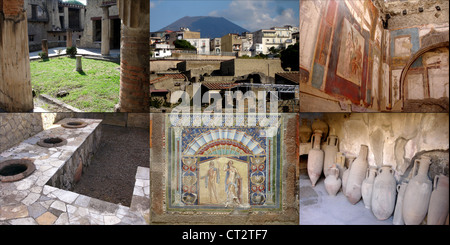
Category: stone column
[82,15]
[134,56]
[69,37]
[45,46]
[15,84]
[105,31]
[66,18]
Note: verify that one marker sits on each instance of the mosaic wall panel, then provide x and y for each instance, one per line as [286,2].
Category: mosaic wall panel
[223,167]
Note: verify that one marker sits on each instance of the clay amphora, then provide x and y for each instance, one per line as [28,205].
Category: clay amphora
[356,176]
[398,216]
[340,163]
[320,125]
[438,208]
[332,181]
[418,193]
[330,151]
[346,172]
[384,193]
[305,131]
[367,186]
[315,158]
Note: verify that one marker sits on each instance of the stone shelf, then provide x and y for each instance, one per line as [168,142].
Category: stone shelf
[45,198]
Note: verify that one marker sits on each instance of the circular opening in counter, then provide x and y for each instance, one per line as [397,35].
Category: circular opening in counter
[52,142]
[16,169]
[74,124]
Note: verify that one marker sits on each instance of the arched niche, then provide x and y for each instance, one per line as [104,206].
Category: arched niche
[433,40]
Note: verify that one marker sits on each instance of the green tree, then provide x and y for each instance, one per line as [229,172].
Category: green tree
[183,44]
[290,57]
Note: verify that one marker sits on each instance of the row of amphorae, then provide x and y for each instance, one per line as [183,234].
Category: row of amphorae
[410,202]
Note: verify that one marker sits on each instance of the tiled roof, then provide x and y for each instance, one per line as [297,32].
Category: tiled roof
[219,86]
[291,76]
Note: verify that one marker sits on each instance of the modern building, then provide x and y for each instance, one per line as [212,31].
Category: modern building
[201,44]
[161,50]
[215,46]
[231,43]
[277,37]
[182,34]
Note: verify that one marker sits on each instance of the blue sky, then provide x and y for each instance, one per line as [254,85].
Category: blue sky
[249,14]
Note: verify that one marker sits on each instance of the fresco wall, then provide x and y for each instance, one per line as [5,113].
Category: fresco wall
[427,76]
[348,57]
[346,51]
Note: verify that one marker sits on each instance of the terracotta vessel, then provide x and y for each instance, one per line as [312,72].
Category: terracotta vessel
[330,151]
[384,193]
[438,208]
[305,131]
[367,186]
[346,172]
[315,158]
[356,176]
[418,193]
[340,163]
[332,181]
[398,216]
[320,125]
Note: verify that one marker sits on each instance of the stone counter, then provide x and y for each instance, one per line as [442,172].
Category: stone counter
[44,196]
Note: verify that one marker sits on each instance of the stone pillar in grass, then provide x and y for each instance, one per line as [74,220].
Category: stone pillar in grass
[105,31]
[79,66]
[15,84]
[134,56]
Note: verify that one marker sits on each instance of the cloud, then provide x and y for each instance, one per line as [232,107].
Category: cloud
[255,15]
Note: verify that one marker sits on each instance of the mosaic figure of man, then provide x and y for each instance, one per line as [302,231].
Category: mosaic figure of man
[211,181]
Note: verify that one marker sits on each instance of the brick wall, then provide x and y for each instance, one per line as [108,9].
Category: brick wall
[11,8]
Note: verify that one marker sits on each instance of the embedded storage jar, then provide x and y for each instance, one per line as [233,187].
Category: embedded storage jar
[16,169]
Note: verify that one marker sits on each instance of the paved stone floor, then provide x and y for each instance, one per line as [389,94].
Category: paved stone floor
[319,208]
[31,201]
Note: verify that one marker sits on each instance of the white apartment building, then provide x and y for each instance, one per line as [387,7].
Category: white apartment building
[162,50]
[277,37]
[201,44]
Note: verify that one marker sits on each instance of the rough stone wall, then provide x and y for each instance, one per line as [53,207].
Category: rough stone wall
[163,65]
[393,138]
[413,16]
[16,127]
[241,67]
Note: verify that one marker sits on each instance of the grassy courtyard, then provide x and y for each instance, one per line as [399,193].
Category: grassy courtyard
[96,89]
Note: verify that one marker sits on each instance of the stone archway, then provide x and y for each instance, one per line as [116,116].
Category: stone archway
[431,41]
